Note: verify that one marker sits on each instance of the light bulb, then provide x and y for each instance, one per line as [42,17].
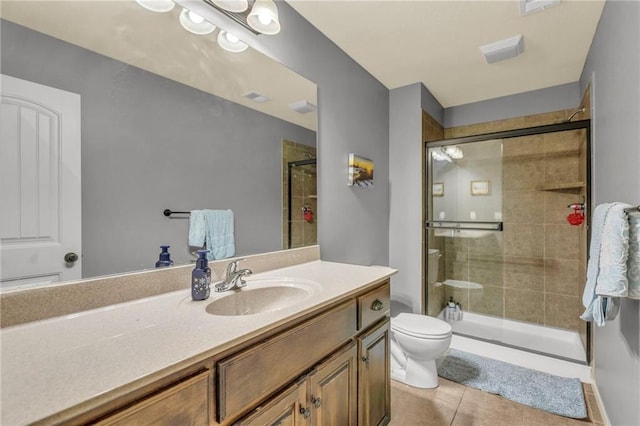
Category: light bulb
[157,5]
[195,23]
[264,19]
[195,18]
[231,43]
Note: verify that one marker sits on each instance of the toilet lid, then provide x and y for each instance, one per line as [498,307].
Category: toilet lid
[421,325]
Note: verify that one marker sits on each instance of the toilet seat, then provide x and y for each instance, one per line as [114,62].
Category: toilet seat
[421,326]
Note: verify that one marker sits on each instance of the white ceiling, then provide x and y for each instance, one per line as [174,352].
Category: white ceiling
[157,43]
[402,42]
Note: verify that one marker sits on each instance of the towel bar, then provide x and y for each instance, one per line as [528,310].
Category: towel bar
[632,209]
[168,212]
[464,225]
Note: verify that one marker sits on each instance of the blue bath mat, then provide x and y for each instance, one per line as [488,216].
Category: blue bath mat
[557,395]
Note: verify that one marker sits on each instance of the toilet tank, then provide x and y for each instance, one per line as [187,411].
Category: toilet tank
[433,258]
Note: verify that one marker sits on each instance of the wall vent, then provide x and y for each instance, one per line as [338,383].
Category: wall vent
[256,97]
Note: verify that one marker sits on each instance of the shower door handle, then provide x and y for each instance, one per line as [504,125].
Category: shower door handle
[464,225]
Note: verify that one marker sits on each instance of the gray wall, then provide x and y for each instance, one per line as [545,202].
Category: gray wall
[149,143]
[353,116]
[405,160]
[613,68]
[564,96]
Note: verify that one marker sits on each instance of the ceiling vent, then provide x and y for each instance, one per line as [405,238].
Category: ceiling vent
[256,97]
[503,49]
[531,6]
[302,107]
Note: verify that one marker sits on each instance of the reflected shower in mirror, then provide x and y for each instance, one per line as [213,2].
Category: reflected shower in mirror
[164,125]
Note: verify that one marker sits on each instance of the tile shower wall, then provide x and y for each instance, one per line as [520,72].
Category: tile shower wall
[541,178]
[532,270]
[303,193]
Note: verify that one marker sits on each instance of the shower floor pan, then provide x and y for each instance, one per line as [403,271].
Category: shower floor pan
[551,341]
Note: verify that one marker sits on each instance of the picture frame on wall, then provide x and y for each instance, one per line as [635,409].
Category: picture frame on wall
[480,187]
[438,189]
[360,171]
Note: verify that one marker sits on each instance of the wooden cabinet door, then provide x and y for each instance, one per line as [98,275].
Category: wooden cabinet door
[374,381]
[332,389]
[288,408]
[186,403]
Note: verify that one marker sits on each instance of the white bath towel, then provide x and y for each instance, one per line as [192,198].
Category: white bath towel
[614,251]
[606,270]
[633,262]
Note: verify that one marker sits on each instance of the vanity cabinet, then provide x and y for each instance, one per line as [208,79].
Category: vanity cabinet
[374,376]
[330,367]
[288,408]
[184,402]
[325,396]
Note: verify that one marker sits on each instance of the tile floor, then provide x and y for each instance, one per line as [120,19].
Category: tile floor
[453,404]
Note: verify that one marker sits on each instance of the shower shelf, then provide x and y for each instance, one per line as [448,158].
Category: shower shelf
[470,285]
[562,186]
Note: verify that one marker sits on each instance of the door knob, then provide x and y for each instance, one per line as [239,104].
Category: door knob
[70,257]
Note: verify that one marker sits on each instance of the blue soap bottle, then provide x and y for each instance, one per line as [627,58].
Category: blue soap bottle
[165,258]
[201,277]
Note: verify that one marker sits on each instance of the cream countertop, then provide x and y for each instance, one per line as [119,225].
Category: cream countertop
[54,364]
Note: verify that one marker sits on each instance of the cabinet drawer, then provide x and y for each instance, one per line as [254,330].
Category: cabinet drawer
[186,400]
[251,375]
[373,305]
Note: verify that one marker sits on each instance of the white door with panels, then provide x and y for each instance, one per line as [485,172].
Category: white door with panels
[40,192]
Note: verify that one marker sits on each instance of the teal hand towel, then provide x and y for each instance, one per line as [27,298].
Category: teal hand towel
[219,235]
[197,228]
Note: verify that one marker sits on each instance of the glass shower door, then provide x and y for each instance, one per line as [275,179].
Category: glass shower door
[465,226]
[498,236]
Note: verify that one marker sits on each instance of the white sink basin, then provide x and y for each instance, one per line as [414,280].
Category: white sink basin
[263,295]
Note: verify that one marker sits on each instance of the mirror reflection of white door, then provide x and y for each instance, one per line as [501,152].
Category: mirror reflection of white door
[40,193]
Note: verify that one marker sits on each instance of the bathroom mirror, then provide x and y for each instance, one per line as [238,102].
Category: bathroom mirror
[164,125]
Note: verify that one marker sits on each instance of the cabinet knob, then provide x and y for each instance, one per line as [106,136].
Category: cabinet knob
[365,359]
[306,412]
[70,257]
[316,402]
[377,305]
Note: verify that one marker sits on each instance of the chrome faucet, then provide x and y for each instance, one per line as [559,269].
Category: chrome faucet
[234,277]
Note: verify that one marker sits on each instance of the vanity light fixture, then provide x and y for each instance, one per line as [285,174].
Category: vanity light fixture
[157,5]
[231,43]
[257,16]
[235,6]
[195,23]
[454,151]
[264,17]
[440,155]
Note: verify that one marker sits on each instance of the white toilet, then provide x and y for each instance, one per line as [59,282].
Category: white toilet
[417,341]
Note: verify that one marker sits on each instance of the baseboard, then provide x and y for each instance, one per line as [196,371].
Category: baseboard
[603,412]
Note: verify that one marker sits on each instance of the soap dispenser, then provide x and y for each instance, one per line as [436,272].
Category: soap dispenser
[201,277]
[165,258]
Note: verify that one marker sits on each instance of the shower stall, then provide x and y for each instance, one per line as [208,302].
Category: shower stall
[496,211]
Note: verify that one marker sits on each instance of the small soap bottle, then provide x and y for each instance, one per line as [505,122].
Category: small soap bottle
[458,312]
[451,310]
[165,258]
[201,277]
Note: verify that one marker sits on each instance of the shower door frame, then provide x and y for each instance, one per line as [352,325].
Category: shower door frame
[528,131]
[290,166]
